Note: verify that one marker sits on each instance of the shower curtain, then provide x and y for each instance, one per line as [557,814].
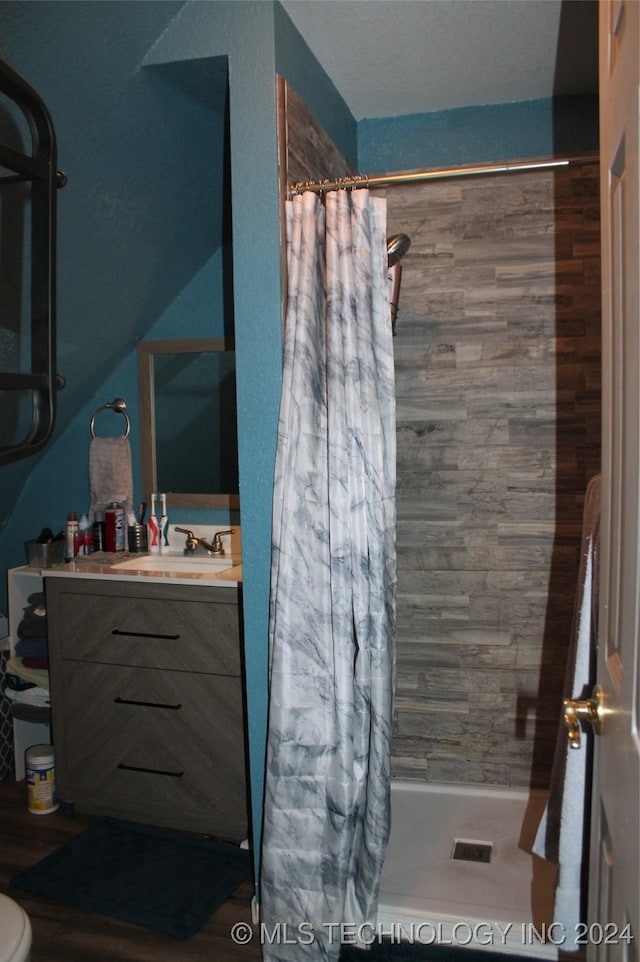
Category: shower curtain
[333,586]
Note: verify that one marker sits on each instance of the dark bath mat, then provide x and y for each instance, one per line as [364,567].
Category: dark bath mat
[163,880]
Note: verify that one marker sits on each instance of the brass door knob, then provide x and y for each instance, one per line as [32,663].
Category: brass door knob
[591,710]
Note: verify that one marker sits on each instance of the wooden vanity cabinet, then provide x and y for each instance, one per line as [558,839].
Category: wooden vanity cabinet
[147,702]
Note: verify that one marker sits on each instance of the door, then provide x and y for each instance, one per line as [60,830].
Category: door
[614,888]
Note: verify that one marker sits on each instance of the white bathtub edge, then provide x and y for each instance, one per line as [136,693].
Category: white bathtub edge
[502,937]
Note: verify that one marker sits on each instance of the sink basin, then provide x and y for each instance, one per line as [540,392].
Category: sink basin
[176,563]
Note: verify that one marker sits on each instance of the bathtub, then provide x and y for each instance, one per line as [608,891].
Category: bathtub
[426,895]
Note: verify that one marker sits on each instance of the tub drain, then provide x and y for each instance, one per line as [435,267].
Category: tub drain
[467,851]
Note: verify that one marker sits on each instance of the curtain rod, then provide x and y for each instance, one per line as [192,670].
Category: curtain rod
[433,173]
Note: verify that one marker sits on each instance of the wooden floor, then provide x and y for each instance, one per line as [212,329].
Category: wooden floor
[64,934]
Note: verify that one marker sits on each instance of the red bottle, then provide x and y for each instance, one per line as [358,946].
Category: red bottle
[114,528]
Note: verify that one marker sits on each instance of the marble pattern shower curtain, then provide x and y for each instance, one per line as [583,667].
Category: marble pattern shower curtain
[333,585]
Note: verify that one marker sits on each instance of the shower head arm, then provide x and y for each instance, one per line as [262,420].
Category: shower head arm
[395,296]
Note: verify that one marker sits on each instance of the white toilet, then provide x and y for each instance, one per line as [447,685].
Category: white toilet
[15,932]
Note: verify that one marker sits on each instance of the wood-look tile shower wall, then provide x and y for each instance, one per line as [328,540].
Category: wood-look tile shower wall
[498,413]
[498,425]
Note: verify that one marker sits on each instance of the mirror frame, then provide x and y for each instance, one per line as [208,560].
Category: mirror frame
[147,350]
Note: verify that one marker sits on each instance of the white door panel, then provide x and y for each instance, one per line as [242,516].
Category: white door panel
[614,885]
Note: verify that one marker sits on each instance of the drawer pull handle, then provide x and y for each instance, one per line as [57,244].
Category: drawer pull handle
[144,634]
[145,704]
[149,771]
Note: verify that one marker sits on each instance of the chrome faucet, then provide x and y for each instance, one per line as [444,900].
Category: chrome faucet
[216,547]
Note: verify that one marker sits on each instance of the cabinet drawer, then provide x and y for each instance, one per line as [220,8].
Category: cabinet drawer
[188,629]
[167,747]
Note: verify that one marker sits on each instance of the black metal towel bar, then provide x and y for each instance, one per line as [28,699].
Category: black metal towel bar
[40,382]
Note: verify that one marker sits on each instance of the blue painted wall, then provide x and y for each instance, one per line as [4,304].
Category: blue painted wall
[135,90]
[139,217]
[476,135]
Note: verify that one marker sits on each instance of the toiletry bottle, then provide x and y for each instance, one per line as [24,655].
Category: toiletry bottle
[154,534]
[110,529]
[71,536]
[121,528]
[163,534]
[98,531]
[85,541]
[114,527]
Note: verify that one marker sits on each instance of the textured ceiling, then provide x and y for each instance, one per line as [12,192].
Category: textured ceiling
[395,57]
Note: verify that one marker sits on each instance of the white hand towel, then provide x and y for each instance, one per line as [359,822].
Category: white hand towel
[561,833]
[110,475]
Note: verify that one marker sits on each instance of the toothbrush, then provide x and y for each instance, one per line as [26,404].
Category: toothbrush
[154,533]
[164,526]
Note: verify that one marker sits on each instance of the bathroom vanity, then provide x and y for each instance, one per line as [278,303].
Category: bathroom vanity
[147,704]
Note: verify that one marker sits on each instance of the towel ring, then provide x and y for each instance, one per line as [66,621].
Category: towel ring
[119,405]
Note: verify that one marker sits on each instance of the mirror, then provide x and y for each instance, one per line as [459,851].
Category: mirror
[188,433]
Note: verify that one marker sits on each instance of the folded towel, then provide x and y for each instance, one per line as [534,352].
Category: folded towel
[563,830]
[38,664]
[30,628]
[15,683]
[34,621]
[16,667]
[30,696]
[32,648]
[110,475]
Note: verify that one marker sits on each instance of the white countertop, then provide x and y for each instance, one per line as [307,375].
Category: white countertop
[104,565]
